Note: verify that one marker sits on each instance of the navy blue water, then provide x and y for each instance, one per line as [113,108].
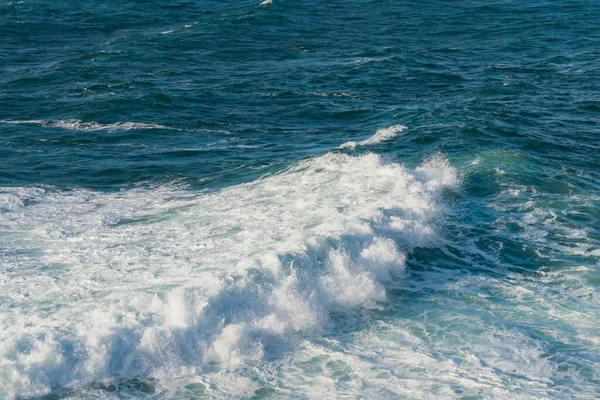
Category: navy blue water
[300,199]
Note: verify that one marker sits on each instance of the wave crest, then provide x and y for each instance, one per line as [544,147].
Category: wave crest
[380,136]
[78,125]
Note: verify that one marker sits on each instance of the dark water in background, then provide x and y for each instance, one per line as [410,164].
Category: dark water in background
[177,217]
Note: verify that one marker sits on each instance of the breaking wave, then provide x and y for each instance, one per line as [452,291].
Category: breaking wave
[165,282]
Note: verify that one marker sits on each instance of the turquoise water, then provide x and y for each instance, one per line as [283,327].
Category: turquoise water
[300,199]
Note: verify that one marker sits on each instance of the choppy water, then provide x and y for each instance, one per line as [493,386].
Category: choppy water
[300,199]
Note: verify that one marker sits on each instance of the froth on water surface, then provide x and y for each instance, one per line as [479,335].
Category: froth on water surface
[299,199]
[164,282]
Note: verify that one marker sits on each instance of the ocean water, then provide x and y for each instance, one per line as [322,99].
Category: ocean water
[297,199]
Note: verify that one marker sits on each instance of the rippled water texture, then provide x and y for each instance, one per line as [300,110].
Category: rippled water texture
[300,199]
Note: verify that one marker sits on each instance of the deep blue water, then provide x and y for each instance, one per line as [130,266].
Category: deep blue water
[300,199]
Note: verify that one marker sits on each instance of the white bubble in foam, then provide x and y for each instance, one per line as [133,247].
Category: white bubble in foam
[382,258]
[436,173]
[347,285]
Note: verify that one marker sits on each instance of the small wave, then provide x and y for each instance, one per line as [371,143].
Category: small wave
[382,135]
[78,125]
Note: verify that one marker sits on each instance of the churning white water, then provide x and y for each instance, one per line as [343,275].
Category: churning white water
[168,282]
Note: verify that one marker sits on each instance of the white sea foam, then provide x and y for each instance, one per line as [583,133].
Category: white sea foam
[382,135]
[166,282]
[78,125]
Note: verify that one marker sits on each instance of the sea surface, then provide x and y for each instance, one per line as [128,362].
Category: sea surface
[300,199]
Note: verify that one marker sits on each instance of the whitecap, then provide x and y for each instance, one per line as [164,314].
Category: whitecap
[380,136]
[78,125]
